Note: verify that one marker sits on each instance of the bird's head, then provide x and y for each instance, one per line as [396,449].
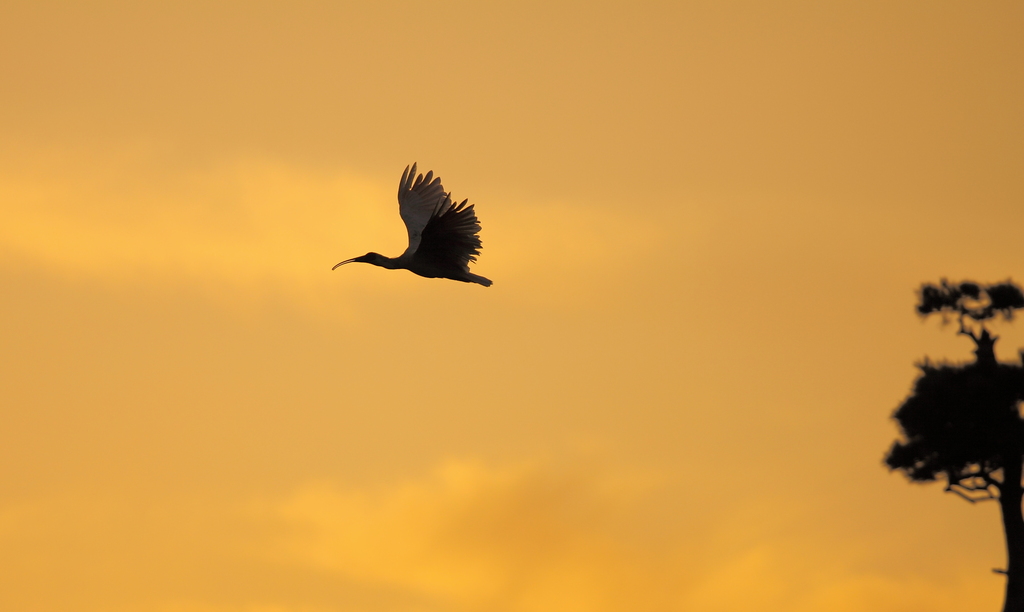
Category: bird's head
[370,258]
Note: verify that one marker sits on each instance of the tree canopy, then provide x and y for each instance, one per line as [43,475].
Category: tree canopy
[963,421]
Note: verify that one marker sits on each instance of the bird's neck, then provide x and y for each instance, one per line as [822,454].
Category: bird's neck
[387,262]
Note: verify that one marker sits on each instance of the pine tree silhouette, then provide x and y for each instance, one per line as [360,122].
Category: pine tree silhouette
[962,422]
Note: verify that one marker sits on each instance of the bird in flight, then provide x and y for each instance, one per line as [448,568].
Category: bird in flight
[442,234]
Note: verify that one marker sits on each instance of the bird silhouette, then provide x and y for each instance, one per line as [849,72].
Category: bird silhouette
[442,235]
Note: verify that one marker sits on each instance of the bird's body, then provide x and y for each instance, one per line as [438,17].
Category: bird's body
[442,234]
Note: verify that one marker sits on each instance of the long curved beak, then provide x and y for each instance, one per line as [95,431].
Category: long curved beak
[343,263]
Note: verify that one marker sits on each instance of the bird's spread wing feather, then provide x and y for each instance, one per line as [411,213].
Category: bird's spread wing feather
[450,240]
[418,199]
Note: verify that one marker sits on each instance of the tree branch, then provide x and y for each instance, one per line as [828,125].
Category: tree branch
[992,482]
[969,481]
[963,328]
[969,489]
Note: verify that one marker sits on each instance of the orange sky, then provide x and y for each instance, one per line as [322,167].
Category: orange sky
[705,223]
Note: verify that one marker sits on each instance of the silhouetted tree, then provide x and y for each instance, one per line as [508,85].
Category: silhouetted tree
[963,422]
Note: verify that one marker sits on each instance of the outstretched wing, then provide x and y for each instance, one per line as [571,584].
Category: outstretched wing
[418,198]
[449,240]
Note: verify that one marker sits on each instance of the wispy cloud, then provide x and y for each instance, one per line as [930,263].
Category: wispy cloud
[251,222]
[465,536]
[525,538]
[490,539]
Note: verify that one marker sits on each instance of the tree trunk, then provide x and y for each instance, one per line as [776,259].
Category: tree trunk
[1013,524]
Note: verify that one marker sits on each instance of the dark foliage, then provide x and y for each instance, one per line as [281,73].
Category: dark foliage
[1006,297]
[970,299]
[963,421]
[959,421]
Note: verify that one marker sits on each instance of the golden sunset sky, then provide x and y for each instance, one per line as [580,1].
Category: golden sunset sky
[705,223]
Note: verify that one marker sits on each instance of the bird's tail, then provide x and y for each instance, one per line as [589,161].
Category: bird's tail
[475,278]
